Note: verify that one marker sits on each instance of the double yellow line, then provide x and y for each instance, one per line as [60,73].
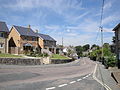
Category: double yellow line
[103,84]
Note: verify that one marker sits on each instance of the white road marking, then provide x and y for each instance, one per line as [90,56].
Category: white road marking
[62,85]
[84,77]
[72,82]
[89,74]
[94,77]
[50,88]
[79,79]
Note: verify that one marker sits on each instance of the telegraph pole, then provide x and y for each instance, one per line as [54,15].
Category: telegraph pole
[102,42]
[62,41]
[101,29]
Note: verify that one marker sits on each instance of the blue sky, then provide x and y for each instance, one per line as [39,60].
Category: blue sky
[77,21]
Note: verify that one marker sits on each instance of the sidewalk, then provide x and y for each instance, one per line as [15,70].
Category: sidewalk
[104,75]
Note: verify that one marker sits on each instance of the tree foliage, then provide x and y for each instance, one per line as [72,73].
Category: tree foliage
[79,50]
[109,57]
[86,47]
[94,46]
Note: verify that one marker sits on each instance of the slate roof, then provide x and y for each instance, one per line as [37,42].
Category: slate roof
[3,27]
[46,37]
[25,31]
[116,27]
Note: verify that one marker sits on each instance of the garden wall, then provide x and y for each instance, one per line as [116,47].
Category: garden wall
[32,61]
[20,61]
[59,61]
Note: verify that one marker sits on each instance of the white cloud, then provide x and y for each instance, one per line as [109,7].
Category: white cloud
[58,6]
[52,27]
[74,19]
[107,5]
[68,30]
[86,26]
[108,30]
[110,19]
[108,39]
[72,34]
[77,40]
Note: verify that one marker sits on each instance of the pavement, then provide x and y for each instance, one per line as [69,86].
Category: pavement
[82,74]
[104,75]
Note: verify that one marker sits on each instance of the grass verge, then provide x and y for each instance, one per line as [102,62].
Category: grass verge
[57,56]
[4,55]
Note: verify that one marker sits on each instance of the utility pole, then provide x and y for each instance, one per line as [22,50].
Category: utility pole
[62,44]
[62,41]
[102,41]
[101,29]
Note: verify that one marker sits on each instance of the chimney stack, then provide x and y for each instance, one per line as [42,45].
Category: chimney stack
[28,29]
[36,31]
[28,26]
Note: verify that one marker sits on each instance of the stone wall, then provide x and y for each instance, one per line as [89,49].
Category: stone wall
[20,61]
[60,61]
[32,61]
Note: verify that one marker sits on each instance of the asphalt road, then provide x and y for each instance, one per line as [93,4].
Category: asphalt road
[77,75]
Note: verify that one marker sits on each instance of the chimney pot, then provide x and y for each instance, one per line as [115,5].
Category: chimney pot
[28,26]
[36,31]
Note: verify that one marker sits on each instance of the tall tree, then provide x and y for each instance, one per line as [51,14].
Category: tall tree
[86,47]
[95,46]
[79,50]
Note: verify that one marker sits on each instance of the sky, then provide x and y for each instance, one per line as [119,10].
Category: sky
[77,21]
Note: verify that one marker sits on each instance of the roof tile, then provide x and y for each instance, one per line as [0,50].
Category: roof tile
[46,37]
[3,27]
[25,31]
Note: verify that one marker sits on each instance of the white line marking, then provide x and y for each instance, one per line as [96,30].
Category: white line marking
[79,79]
[72,82]
[108,87]
[62,85]
[50,88]
[94,77]
[89,74]
[84,77]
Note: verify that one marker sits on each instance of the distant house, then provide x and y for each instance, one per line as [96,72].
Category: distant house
[22,39]
[4,31]
[46,42]
[117,42]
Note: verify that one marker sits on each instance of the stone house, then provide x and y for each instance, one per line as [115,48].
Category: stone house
[117,42]
[4,31]
[47,43]
[22,39]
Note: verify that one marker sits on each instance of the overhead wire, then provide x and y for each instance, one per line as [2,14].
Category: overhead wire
[101,30]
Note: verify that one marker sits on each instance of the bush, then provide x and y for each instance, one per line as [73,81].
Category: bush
[111,62]
[109,59]
[46,55]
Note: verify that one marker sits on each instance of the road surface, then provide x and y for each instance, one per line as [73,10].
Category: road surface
[77,75]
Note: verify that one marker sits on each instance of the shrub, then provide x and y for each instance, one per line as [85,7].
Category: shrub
[45,55]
